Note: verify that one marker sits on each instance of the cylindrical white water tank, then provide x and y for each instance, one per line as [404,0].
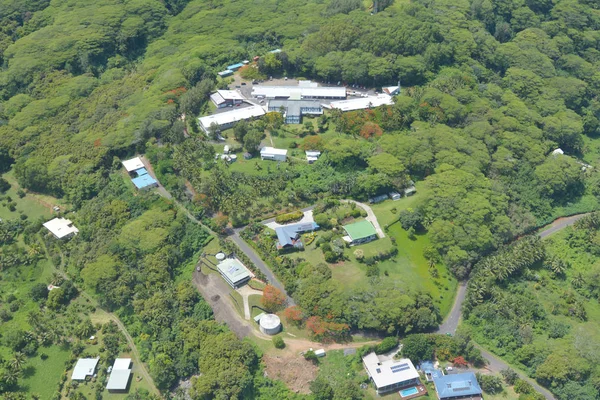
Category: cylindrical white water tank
[220,256]
[270,324]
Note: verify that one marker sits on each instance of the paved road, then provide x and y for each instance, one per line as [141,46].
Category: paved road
[260,264]
[453,318]
[559,224]
[451,322]
[370,216]
[496,365]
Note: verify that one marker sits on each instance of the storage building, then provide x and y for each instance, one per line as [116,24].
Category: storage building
[390,375]
[271,153]
[235,67]
[226,73]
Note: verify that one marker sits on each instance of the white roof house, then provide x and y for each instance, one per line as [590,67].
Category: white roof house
[224,96]
[133,164]
[229,118]
[61,227]
[390,374]
[392,90]
[84,367]
[271,153]
[119,376]
[303,91]
[312,155]
[361,103]
[122,363]
[558,151]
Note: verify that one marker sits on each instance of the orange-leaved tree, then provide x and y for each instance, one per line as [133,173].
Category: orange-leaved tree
[272,299]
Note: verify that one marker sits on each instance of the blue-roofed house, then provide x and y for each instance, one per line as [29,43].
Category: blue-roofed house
[144,182]
[458,386]
[430,371]
[288,236]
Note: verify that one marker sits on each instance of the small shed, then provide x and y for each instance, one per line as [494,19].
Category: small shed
[226,73]
[320,353]
[378,199]
[410,191]
[270,324]
[395,196]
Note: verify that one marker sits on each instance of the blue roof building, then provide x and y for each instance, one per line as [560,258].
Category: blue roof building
[457,386]
[144,181]
[289,235]
[235,67]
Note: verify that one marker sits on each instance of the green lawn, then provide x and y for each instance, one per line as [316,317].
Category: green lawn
[42,376]
[33,205]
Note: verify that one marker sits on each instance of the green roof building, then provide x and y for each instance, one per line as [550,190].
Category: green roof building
[360,232]
[234,272]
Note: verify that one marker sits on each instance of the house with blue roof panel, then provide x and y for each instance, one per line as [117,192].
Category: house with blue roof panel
[458,386]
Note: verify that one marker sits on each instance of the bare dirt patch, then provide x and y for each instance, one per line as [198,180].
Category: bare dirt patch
[293,370]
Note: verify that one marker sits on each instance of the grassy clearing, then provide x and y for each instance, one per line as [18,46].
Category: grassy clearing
[41,376]
[33,205]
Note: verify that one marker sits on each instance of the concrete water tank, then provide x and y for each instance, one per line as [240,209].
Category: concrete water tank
[270,324]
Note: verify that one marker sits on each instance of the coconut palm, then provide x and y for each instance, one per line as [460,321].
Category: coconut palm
[18,361]
[578,280]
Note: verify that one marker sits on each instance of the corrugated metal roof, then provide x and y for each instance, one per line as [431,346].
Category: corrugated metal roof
[449,386]
[360,230]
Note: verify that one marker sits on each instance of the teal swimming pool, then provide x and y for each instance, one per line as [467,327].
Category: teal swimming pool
[409,392]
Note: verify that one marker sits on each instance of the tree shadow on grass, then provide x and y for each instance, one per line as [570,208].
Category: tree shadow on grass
[28,371]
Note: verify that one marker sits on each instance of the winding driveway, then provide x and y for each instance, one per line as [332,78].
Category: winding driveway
[451,322]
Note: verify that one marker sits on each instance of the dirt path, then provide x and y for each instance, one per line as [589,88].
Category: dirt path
[136,355]
[370,216]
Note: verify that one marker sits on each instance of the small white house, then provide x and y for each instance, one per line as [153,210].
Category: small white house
[271,153]
[133,164]
[85,367]
[312,155]
[61,228]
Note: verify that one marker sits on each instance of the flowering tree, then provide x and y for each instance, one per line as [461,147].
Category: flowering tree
[294,315]
[272,299]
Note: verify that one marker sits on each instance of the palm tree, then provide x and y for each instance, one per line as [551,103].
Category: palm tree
[57,279]
[578,280]
[17,361]
[11,376]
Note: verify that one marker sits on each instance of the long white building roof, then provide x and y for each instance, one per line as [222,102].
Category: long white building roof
[361,103]
[231,116]
[273,150]
[303,91]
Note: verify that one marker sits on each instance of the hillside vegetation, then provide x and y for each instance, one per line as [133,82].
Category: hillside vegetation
[489,89]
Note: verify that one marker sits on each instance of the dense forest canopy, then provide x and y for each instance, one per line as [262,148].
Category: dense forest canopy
[489,89]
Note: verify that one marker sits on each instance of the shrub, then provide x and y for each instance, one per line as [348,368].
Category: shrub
[311,356]
[359,254]
[44,356]
[5,315]
[509,375]
[386,345]
[290,217]
[278,342]
[20,193]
